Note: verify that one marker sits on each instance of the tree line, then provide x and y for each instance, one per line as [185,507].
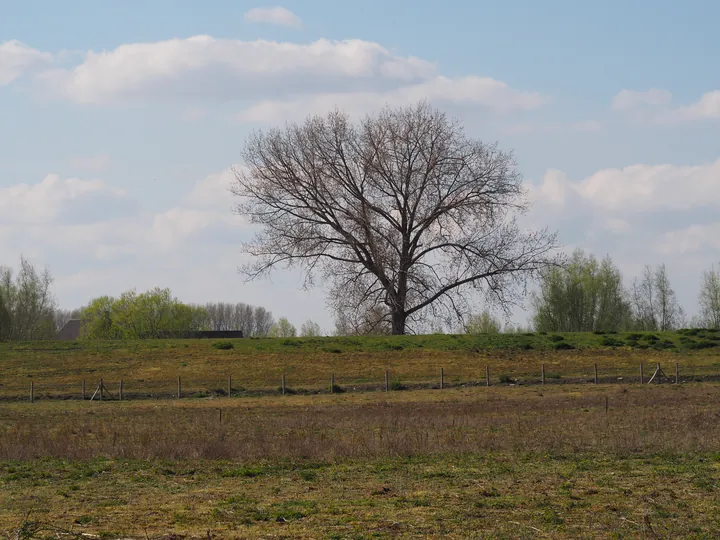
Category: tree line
[29,311]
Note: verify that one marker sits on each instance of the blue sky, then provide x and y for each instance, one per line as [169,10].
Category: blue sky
[119,125]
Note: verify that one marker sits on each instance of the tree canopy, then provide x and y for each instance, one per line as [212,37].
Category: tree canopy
[401,214]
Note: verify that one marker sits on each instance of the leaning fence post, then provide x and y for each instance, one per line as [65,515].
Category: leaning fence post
[83,389]
[121,390]
[32,392]
[596,374]
[282,384]
[387,380]
[100,387]
[442,378]
[487,376]
[179,389]
[332,383]
[542,372]
[229,385]
[641,374]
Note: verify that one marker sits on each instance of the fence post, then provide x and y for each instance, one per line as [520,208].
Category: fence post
[442,378]
[121,390]
[487,375]
[542,372]
[641,374]
[596,375]
[100,387]
[606,404]
[32,392]
[83,389]
[677,373]
[229,385]
[332,383]
[387,380]
[282,384]
[179,390]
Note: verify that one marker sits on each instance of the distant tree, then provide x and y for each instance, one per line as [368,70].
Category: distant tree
[282,329]
[402,211]
[583,295]
[654,303]
[710,299]
[310,329]
[483,323]
[152,314]
[27,306]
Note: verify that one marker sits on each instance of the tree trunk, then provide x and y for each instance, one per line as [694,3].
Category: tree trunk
[398,323]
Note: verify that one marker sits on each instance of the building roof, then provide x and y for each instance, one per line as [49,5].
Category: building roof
[70,331]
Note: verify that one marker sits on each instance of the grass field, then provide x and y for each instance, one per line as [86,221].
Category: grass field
[569,460]
[151,368]
[503,462]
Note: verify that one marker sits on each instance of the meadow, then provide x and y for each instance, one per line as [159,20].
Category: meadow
[619,460]
[149,369]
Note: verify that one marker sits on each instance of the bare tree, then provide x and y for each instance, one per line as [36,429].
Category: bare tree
[310,329]
[402,210]
[710,299]
[654,303]
[27,307]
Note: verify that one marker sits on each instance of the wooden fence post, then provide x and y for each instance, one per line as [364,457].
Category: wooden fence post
[282,384]
[641,374]
[100,387]
[32,392]
[332,383]
[487,375]
[83,389]
[677,373]
[387,380]
[179,389]
[542,372]
[229,385]
[596,374]
[442,378]
[121,390]
[606,404]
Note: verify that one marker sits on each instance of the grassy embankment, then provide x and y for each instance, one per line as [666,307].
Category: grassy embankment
[150,369]
[502,462]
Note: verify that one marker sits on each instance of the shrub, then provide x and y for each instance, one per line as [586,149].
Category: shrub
[611,342]
[332,350]
[634,336]
[563,346]
[527,347]
[506,379]
[556,338]
[338,389]
[397,385]
[652,337]
[703,345]
[599,332]
[223,345]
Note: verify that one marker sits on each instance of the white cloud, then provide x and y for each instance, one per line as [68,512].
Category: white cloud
[45,201]
[639,188]
[585,126]
[273,15]
[478,91]
[630,99]
[91,163]
[654,106]
[693,239]
[16,59]
[202,67]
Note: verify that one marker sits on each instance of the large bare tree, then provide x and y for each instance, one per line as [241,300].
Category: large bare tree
[402,212]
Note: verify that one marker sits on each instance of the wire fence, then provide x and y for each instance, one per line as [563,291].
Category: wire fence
[183,387]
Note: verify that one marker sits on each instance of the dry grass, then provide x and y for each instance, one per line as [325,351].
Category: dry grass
[150,369]
[486,463]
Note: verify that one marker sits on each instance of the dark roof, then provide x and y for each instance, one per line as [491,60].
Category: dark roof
[70,331]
